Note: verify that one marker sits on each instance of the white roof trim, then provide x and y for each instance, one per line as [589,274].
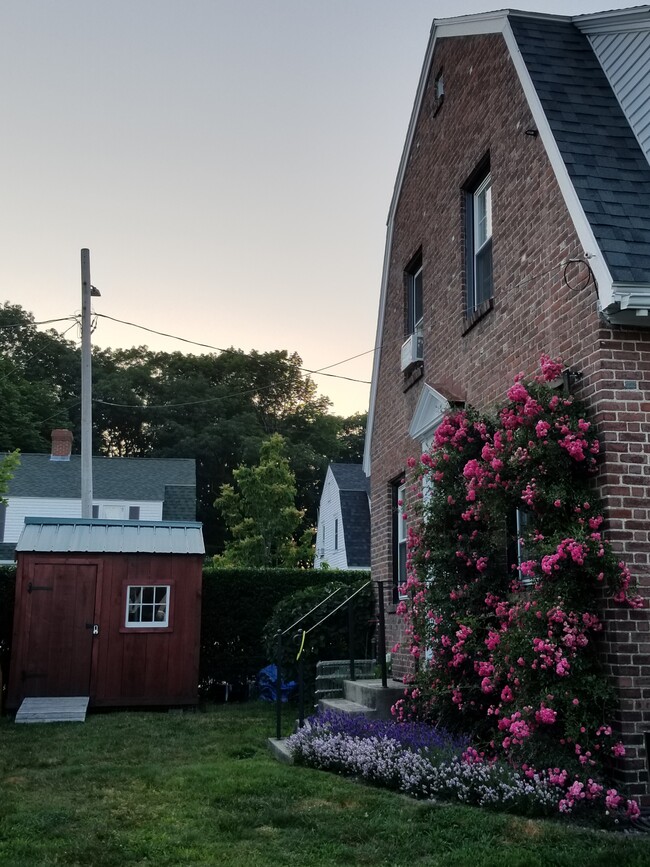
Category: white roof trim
[377,359]
[428,414]
[616,21]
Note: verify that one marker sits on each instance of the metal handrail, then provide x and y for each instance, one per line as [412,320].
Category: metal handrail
[315,608]
[345,602]
[304,632]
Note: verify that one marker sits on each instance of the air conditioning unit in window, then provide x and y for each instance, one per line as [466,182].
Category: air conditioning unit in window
[412,350]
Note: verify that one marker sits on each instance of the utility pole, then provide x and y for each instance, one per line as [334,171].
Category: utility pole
[86,389]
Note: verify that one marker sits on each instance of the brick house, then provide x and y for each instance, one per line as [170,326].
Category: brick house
[520,224]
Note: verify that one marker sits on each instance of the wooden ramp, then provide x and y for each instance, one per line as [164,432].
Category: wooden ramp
[56,709]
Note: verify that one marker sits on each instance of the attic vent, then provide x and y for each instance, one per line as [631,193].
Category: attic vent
[438,93]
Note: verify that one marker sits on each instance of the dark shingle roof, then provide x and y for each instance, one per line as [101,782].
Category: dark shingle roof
[113,478]
[354,488]
[180,503]
[606,165]
[350,477]
[355,517]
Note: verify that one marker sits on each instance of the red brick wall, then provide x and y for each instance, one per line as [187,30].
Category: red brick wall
[534,311]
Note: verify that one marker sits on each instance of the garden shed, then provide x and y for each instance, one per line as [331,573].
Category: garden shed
[107,609]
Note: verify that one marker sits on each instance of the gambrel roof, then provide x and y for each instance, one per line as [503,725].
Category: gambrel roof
[586,80]
[603,157]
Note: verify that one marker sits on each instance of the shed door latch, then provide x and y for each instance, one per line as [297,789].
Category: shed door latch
[94,627]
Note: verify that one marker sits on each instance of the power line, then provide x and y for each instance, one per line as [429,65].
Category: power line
[186,403]
[16,368]
[30,324]
[319,372]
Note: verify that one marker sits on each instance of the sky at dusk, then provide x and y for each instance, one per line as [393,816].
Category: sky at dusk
[229,163]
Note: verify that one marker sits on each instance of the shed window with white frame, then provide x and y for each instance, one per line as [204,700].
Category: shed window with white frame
[147,605]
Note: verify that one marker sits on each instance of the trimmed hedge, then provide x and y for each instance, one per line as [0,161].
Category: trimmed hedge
[237,603]
[7,590]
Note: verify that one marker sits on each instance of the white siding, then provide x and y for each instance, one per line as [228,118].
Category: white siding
[329,512]
[19,508]
[625,57]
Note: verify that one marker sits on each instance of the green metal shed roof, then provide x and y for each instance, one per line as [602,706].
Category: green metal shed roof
[85,535]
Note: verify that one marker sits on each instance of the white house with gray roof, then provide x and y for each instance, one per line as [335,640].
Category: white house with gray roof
[343,534]
[49,486]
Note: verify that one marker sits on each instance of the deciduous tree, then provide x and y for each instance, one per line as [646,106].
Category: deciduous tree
[261,513]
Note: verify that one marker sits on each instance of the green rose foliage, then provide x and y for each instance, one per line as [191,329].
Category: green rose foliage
[508,572]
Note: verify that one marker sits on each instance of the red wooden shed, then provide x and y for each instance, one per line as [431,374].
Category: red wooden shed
[107,609]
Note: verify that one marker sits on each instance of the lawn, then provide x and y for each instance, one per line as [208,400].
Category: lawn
[202,789]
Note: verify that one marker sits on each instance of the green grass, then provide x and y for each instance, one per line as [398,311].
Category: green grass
[202,789]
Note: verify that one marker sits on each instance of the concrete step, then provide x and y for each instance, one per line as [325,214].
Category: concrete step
[371,694]
[328,693]
[280,750]
[344,705]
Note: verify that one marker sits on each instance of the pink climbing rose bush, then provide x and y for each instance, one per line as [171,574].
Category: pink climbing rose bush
[507,572]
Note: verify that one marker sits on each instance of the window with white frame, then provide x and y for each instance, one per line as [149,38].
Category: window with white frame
[399,538]
[518,524]
[110,511]
[336,534]
[522,520]
[147,605]
[478,233]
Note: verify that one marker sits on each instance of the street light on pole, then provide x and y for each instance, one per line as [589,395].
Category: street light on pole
[87,290]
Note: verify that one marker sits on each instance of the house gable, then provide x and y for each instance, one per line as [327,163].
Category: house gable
[573,156]
[343,533]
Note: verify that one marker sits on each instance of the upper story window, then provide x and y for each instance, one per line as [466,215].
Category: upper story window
[414,296]
[336,534]
[412,348]
[478,234]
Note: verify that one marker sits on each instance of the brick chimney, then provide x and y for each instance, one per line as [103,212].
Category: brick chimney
[61,445]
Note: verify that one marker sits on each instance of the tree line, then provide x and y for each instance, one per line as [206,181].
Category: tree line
[216,408]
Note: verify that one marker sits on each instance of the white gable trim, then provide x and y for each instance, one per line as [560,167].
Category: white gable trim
[428,414]
[377,359]
[616,21]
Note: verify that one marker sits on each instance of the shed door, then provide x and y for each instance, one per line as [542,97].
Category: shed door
[59,617]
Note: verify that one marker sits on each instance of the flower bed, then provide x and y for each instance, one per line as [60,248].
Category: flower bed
[425,762]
